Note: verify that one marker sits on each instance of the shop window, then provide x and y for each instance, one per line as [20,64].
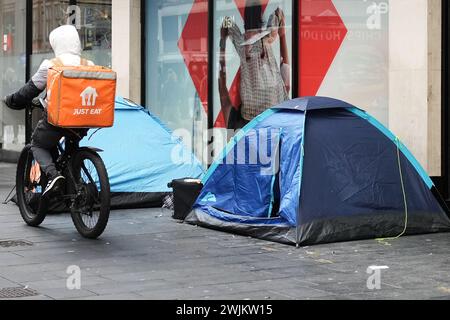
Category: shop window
[12,66]
[177,67]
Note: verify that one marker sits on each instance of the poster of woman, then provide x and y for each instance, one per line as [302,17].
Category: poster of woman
[264,76]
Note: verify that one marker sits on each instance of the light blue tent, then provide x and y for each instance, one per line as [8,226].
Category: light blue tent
[138,153]
[335,173]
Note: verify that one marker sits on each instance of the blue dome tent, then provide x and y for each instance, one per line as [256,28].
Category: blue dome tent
[137,154]
[335,174]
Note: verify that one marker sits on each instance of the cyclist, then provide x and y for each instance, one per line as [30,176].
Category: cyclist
[66,46]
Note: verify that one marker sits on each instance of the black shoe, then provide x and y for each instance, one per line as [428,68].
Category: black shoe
[55,184]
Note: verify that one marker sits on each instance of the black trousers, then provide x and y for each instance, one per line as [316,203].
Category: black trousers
[45,140]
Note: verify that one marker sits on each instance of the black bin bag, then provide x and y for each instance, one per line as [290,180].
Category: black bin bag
[185,192]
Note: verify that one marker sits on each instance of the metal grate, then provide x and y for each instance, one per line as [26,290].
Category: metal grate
[14,243]
[12,293]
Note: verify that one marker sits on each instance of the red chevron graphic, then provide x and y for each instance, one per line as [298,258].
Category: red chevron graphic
[322,32]
[193,46]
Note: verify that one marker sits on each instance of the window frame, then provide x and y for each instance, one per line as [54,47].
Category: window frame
[443,182]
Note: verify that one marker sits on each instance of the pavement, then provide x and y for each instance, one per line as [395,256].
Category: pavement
[144,254]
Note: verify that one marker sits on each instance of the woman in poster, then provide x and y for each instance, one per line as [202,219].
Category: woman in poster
[264,83]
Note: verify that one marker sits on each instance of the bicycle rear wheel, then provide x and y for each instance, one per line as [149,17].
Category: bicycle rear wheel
[91,205]
[30,182]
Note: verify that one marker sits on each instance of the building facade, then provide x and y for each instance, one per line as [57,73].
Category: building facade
[388,57]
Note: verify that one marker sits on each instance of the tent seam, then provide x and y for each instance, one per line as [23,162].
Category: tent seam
[302,150]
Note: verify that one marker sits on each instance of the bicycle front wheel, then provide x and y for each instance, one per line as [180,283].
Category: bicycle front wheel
[91,204]
[29,184]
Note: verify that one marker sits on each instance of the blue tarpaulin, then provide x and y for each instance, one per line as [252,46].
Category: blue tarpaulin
[141,156]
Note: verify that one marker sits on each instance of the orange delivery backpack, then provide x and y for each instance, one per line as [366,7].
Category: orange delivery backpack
[81,96]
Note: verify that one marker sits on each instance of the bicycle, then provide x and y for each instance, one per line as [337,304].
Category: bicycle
[87,189]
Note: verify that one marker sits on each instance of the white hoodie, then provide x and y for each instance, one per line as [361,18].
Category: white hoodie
[66,45]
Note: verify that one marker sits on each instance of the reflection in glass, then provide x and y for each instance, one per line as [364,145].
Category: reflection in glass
[92,19]
[12,66]
[177,67]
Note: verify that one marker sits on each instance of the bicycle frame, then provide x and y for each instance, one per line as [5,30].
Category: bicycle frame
[68,147]
[88,199]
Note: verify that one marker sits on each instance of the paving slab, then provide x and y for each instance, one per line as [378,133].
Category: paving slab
[144,254]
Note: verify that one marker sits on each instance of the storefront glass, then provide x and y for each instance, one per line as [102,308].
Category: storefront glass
[91,18]
[177,67]
[12,66]
[344,52]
